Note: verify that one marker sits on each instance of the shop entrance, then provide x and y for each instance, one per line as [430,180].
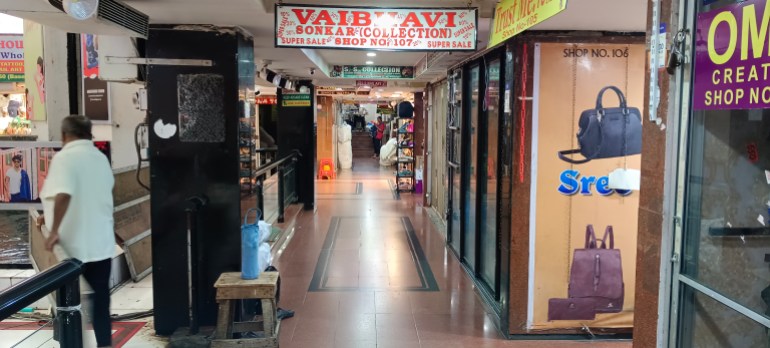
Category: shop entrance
[720,290]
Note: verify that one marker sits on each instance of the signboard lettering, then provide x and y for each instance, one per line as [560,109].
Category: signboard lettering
[11,58]
[371,83]
[732,57]
[367,28]
[295,100]
[571,183]
[372,72]
[514,16]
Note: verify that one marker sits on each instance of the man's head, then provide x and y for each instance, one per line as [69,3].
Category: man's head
[75,127]
[17,160]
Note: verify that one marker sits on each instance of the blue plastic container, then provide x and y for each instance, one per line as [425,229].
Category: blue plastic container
[250,246]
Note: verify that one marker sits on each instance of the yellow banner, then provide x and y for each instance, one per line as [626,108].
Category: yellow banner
[514,16]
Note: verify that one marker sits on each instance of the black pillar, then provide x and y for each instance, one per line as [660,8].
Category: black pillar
[296,131]
[194,114]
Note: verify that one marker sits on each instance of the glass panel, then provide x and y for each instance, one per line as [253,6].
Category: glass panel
[455,155]
[488,166]
[711,324]
[469,243]
[726,240]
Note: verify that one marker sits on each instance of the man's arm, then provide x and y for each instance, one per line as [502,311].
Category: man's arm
[61,204]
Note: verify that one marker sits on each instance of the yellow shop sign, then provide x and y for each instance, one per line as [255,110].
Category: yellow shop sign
[514,16]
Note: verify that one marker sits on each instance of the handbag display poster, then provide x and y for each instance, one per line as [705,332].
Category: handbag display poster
[576,284]
[34,70]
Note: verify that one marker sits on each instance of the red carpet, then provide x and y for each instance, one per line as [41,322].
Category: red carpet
[124,330]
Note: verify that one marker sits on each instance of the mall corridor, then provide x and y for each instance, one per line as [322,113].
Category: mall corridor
[370,269]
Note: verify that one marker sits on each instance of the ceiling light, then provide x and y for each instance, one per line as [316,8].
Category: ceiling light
[398,92]
[369,62]
[338,88]
[380,90]
[371,54]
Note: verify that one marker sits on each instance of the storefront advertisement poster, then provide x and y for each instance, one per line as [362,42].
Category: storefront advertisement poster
[367,28]
[732,57]
[34,71]
[571,200]
[96,102]
[11,58]
[372,72]
[514,16]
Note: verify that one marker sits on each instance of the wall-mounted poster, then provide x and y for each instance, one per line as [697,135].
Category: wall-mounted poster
[585,213]
[96,101]
[24,167]
[34,68]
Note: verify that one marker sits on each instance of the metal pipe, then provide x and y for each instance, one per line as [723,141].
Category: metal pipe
[281,193]
[69,324]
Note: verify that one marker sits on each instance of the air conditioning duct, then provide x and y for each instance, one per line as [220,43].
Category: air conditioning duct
[111,17]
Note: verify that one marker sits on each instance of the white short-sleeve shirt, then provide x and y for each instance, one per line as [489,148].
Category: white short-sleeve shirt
[14,179]
[87,230]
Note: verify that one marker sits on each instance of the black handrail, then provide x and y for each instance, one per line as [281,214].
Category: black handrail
[62,278]
[266,150]
[273,165]
[260,174]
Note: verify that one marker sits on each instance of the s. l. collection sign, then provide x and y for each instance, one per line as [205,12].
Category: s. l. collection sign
[732,57]
[373,28]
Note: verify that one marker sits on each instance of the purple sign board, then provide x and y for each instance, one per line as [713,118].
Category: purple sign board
[732,58]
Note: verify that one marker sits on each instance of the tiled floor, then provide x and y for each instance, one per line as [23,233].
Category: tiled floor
[367,269]
[356,279]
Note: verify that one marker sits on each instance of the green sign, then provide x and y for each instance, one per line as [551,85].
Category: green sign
[372,72]
[295,100]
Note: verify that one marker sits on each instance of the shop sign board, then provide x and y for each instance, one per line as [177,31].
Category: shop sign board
[732,55]
[295,100]
[371,83]
[268,100]
[514,16]
[372,72]
[376,28]
[11,58]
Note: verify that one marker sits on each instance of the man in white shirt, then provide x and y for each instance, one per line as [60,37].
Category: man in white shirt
[13,178]
[78,205]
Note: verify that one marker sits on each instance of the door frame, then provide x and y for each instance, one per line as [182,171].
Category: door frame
[673,282]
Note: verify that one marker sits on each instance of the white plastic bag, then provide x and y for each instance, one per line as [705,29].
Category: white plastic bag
[625,179]
[264,255]
[344,134]
[345,154]
[265,229]
[388,153]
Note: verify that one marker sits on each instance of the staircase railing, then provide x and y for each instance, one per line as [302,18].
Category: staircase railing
[64,280]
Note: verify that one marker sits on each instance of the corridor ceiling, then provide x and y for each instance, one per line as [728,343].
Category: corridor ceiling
[256,17]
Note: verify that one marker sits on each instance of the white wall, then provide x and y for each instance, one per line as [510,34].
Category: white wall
[57,104]
[124,114]
[125,118]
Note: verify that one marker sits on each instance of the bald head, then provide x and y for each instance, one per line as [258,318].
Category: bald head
[76,127]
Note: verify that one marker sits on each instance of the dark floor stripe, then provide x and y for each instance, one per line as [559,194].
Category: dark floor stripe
[424,272]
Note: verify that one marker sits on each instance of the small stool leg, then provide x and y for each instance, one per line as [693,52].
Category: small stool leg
[269,316]
[225,320]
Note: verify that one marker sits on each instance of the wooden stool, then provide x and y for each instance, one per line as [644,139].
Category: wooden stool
[230,287]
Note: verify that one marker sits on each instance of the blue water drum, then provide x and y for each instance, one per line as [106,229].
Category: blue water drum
[250,246]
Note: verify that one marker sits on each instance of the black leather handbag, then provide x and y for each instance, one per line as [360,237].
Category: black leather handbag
[607,132]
